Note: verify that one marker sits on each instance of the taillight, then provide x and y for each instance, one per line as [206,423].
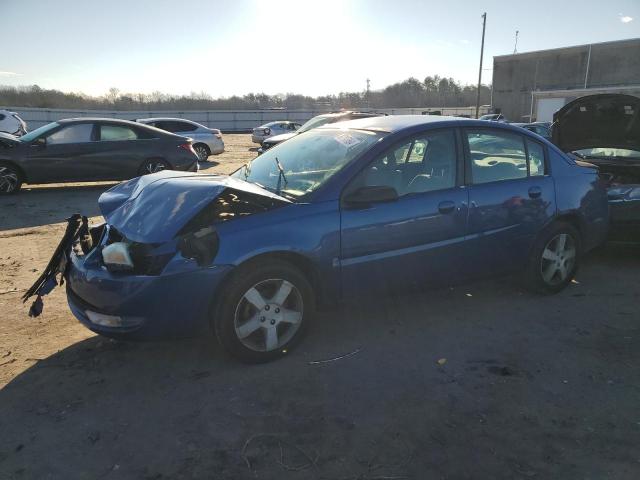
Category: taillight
[188,147]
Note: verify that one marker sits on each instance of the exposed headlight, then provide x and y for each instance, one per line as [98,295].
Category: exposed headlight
[116,256]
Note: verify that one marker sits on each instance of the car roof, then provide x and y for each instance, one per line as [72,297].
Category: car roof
[98,119]
[165,119]
[396,123]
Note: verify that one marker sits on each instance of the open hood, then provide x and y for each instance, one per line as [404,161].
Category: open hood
[598,121]
[154,208]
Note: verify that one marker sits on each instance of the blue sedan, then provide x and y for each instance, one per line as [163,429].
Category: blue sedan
[351,209]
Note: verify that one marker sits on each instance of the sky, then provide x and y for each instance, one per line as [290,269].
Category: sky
[311,47]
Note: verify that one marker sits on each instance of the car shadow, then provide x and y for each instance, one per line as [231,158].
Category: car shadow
[451,371]
[44,205]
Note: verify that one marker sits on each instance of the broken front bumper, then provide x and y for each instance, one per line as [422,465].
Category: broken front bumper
[142,306]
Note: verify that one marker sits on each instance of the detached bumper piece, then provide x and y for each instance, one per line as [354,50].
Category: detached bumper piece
[77,230]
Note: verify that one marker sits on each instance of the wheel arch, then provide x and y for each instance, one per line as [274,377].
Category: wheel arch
[297,260]
[21,172]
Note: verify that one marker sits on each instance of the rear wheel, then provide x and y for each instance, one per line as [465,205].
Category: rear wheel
[10,179]
[554,258]
[264,311]
[202,151]
[153,166]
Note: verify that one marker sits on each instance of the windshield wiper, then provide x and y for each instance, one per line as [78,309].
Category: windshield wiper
[281,176]
[247,169]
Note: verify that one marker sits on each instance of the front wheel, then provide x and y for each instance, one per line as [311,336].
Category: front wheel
[153,166]
[264,311]
[10,181]
[554,259]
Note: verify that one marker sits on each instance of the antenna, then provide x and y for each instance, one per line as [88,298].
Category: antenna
[515,47]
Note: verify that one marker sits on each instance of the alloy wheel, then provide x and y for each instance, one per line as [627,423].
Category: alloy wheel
[8,180]
[202,152]
[268,315]
[154,167]
[558,259]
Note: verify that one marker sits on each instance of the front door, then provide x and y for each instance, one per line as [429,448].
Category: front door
[511,198]
[64,154]
[416,239]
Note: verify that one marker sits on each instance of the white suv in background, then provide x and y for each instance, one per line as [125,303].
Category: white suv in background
[206,141]
[11,123]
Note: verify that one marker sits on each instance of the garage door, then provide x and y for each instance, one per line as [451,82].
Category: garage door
[547,107]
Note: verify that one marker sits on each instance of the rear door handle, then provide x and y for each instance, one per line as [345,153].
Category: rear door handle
[535,192]
[446,207]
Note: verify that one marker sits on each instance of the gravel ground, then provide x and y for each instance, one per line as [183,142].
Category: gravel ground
[480,381]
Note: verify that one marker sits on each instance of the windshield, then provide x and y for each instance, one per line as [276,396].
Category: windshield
[302,164]
[609,152]
[315,122]
[29,137]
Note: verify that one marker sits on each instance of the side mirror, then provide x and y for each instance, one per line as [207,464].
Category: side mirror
[364,196]
[39,142]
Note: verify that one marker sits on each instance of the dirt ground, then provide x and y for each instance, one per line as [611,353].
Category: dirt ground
[482,381]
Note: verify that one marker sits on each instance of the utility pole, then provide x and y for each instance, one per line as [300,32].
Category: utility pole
[484,24]
[515,47]
[368,91]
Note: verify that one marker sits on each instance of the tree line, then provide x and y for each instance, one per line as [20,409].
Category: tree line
[433,91]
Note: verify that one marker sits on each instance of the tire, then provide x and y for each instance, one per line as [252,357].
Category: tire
[271,326]
[202,151]
[554,259]
[10,179]
[153,165]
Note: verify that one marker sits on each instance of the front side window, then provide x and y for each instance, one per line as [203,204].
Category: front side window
[80,133]
[424,163]
[307,161]
[114,133]
[496,156]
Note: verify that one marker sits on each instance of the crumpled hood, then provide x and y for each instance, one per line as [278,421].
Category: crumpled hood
[598,121]
[154,208]
[280,138]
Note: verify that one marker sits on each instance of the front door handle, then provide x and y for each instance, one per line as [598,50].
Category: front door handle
[446,207]
[535,192]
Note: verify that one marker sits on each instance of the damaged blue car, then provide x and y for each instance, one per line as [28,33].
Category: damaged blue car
[382,204]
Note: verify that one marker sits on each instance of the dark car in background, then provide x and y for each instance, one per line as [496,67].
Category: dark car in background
[604,130]
[316,122]
[358,208]
[541,128]
[90,149]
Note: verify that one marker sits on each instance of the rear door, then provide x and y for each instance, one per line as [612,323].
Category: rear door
[65,155]
[511,197]
[120,151]
[416,239]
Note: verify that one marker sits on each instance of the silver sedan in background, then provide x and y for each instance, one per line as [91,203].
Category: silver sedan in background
[261,133]
[206,141]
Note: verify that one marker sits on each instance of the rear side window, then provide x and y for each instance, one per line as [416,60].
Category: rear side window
[182,127]
[496,156]
[80,133]
[536,158]
[115,133]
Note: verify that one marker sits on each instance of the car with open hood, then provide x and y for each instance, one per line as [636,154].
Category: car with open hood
[605,130]
[344,211]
